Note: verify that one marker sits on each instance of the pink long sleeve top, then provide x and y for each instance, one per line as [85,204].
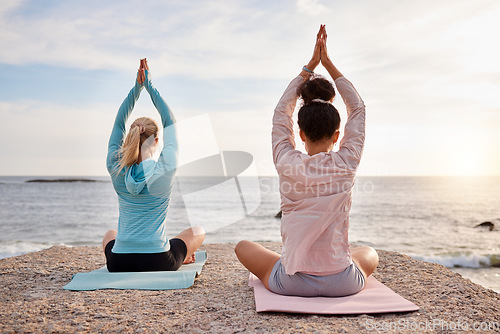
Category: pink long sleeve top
[316,191]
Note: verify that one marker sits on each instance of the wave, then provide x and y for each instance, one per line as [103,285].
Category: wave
[15,248]
[463,260]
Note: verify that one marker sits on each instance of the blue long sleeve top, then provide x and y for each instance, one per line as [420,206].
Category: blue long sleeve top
[143,189]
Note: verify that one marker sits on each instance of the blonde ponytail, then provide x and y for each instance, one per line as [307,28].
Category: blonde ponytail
[140,131]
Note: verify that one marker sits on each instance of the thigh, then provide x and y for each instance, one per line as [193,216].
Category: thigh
[108,236]
[135,262]
[192,237]
[177,253]
[257,259]
[107,251]
[114,262]
[298,284]
[345,283]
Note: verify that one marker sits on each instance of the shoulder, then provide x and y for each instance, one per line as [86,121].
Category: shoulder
[290,161]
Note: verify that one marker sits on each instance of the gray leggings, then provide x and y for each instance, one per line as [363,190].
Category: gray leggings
[347,282]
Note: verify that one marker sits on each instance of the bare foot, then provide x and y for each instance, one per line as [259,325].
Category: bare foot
[189,260]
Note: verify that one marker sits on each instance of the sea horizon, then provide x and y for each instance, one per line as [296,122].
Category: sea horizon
[406,214]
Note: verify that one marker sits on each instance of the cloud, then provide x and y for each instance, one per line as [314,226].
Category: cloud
[425,69]
[233,39]
[194,38]
[311,7]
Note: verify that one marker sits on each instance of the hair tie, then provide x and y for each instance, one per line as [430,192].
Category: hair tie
[321,101]
[142,128]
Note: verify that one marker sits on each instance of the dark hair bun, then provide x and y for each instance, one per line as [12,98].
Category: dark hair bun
[318,120]
[316,88]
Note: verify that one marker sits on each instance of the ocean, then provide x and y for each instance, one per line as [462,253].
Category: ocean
[429,218]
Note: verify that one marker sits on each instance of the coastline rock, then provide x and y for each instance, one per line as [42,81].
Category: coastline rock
[60,180]
[221,301]
[489,225]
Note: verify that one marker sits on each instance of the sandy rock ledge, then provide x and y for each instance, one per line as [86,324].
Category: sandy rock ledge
[220,301]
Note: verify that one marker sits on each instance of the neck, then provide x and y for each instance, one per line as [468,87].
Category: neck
[313,152]
[315,148]
[143,156]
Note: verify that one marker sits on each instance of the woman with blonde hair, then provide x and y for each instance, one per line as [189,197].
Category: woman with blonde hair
[144,187]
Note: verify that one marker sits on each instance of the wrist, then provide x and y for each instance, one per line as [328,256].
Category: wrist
[306,72]
[327,63]
[312,65]
[307,69]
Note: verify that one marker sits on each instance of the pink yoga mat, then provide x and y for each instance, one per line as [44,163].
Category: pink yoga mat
[374,298]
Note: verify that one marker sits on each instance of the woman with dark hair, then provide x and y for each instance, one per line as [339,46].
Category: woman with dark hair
[316,190]
[144,186]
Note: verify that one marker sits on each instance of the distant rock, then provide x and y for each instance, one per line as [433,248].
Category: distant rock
[60,180]
[279,214]
[490,225]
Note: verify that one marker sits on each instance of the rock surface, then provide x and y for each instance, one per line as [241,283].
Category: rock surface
[220,301]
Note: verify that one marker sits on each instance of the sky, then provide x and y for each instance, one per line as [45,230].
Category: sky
[428,71]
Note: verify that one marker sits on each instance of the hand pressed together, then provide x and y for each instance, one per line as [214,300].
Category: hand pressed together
[141,75]
[320,54]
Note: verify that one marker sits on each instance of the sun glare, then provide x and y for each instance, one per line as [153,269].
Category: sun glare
[467,154]
[466,163]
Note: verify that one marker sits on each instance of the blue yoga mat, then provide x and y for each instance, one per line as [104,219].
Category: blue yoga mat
[101,278]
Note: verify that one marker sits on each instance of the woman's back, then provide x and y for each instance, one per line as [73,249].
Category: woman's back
[144,192]
[143,188]
[316,190]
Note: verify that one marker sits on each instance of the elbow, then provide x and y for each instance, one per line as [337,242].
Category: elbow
[351,158]
[356,108]
[169,122]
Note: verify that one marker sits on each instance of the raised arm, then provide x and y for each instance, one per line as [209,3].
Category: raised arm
[167,117]
[282,134]
[308,69]
[352,143]
[118,132]
[170,145]
[325,58]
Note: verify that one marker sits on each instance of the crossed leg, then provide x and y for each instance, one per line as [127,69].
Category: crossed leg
[193,238]
[108,236]
[366,258]
[260,261]
[257,259]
